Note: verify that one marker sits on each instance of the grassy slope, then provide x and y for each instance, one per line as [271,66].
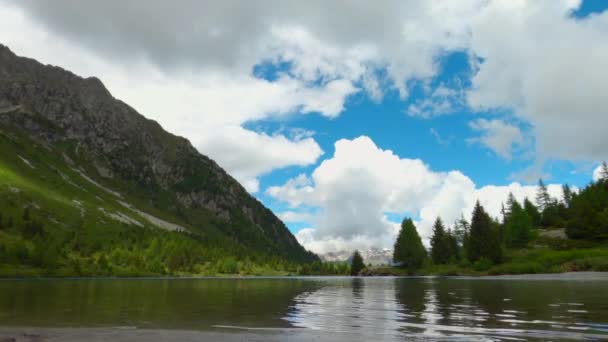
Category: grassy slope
[79,238]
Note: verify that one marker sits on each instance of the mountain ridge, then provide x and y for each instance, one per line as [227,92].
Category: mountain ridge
[108,141]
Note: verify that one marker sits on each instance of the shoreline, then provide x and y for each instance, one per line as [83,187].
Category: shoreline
[128,334]
[583,275]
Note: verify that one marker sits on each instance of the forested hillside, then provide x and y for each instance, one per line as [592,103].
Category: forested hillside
[543,234]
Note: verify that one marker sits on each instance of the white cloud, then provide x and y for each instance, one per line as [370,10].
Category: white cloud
[190,65]
[597,173]
[553,78]
[294,216]
[499,136]
[356,189]
[439,101]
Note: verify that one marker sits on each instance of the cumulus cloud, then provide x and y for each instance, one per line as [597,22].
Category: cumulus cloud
[189,65]
[361,185]
[499,136]
[597,173]
[551,78]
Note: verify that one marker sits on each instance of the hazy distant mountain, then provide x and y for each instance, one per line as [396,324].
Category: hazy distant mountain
[374,256]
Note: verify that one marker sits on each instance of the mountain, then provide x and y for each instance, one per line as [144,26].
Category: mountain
[82,162]
[373,255]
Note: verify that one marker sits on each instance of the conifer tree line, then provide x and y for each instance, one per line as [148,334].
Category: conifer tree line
[583,214]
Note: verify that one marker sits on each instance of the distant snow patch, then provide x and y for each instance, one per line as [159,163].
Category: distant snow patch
[118,216]
[83,175]
[154,220]
[79,206]
[27,162]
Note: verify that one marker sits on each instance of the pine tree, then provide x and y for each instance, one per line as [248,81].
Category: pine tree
[440,252]
[484,239]
[357,264]
[409,251]
[567,194]
[510,200]
[461,233]
[543,199]
[532,211]
[604,172]
[518,228]
[461,230]
[452,245]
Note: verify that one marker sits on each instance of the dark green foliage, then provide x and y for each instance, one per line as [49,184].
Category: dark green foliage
[585,215]
[552,212]
[588,213]
[461,234]
[484,240]
[543,199]
[357,264]
[568,194]
[453,246]
[604,172]
[441,249]
[532,212]
[26,214]
[518,226]
[32,229]
[409,251]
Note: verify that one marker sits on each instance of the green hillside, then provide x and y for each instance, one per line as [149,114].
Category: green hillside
[57,221]
[88,186]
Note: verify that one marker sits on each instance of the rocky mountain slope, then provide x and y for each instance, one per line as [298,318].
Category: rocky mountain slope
[100,144]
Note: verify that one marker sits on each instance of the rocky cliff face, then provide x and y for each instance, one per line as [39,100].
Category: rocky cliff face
[123,148]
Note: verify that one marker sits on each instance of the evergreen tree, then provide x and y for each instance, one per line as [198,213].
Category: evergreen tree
[495,244]
[461,233]
[510,200]
[409,251]
[484,241]
[567,194]
[588,214]
[532,211]
[543,199]
[357,264]
[461,230]
[452,245]
[440,251]
[518,228]
[604,172]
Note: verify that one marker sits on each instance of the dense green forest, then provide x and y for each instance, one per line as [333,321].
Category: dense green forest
[552,235]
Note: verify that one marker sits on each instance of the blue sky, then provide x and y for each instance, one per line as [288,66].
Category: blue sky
[345,117]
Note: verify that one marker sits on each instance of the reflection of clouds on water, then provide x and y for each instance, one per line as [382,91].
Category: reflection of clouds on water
[433,308]
[348,305]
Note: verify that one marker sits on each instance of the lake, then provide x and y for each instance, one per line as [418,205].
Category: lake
[569,307]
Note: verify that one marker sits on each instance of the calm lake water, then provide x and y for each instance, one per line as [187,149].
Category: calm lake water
[373,308]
